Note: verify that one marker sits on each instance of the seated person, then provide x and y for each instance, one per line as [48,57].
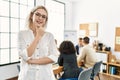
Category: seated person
[87,54]
[79,45]
[68,60]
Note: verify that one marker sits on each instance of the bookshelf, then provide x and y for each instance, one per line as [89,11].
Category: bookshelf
[114,70]
[109,68]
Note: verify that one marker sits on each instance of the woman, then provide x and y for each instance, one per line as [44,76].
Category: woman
[37,48]
[68,60]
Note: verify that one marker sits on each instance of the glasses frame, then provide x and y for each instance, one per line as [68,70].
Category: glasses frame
[40,15]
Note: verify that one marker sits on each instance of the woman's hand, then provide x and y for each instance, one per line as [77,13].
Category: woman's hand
[40,31]
[29,61]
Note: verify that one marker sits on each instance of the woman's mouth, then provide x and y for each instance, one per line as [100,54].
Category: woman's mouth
[39,22]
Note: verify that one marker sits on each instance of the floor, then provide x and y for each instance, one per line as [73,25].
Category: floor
[102,77]
[105,77]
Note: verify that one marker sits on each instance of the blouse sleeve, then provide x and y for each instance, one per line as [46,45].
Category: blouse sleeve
[53,51]
[22,47]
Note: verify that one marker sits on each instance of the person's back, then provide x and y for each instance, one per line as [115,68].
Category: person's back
[68,60]
[90,56]
[69,63]
[87,54]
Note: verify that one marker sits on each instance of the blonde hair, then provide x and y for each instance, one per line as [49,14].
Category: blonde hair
[29,18]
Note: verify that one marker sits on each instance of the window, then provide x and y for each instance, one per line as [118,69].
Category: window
[56,19]
[12,19]
[13,14]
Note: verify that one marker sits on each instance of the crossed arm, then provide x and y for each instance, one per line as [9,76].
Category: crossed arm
[42,61]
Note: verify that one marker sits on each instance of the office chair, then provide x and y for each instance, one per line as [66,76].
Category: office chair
[85,74]
[96,70]
[69,79]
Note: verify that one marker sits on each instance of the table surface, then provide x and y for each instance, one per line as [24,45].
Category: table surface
[57,69]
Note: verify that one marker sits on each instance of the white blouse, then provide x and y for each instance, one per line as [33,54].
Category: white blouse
[45,47]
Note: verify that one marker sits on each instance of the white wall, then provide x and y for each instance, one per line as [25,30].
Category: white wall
[105,12]
[68,15]
[8,71]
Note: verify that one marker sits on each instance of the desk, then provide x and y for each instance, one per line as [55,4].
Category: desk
[57,69]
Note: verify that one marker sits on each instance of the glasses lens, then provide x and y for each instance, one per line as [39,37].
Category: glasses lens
[43,16]
[40,15]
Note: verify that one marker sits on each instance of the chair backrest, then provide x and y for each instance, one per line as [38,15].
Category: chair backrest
[85,74]
[69,79]
[96,69]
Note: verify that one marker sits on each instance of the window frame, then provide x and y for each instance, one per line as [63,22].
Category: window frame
[56,36]
[12,19]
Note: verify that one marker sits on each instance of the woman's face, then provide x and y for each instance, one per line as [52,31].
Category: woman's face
[39,18]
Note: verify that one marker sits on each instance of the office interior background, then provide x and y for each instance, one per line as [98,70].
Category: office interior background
[64,16]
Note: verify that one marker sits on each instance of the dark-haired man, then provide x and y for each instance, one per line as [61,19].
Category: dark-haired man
[79,45]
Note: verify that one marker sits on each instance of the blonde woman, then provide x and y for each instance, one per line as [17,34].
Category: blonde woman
[37,48]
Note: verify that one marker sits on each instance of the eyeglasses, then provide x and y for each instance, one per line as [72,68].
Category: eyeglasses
[40,15]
